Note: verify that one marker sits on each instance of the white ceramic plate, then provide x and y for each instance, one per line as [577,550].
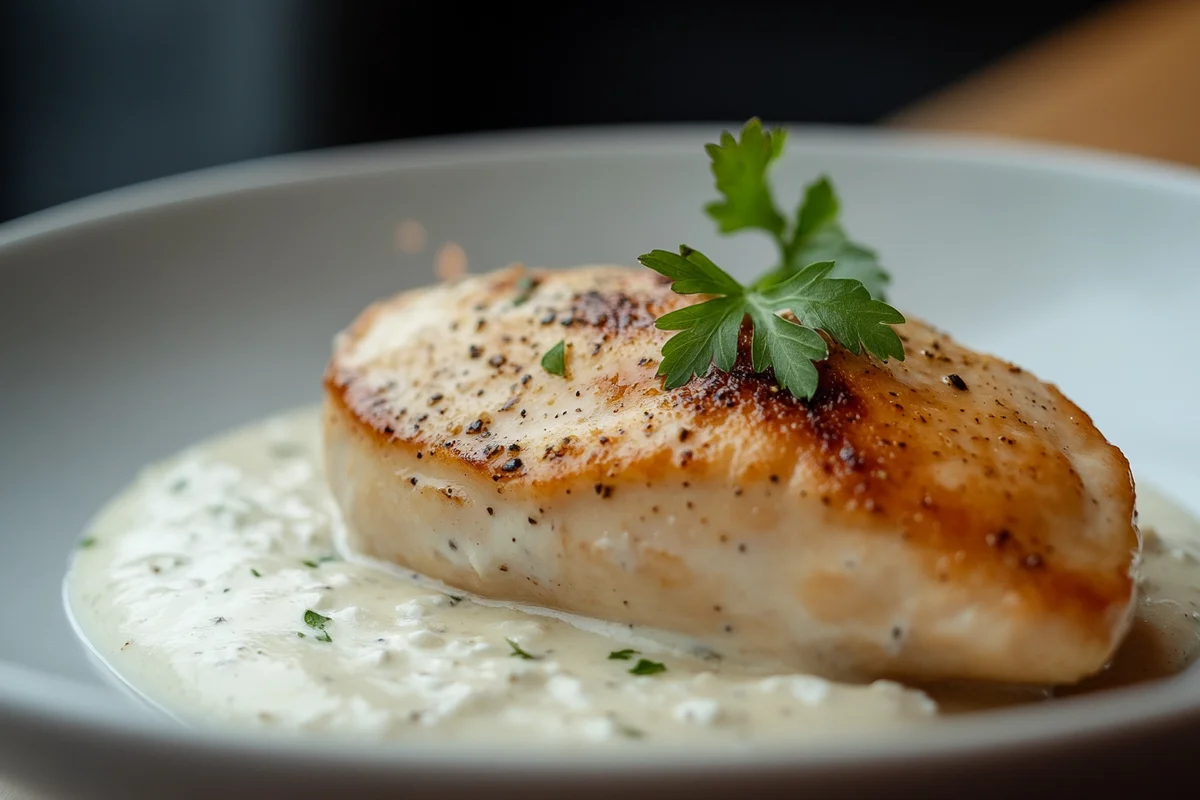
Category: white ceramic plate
[137,322]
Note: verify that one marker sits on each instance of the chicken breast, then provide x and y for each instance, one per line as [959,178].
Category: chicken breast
[945,517]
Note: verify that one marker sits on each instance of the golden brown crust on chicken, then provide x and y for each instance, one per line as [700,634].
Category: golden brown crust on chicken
[949,516]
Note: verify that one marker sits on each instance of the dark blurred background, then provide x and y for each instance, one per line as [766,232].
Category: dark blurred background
[96,94]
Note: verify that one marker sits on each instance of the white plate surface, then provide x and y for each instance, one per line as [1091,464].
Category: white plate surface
[139,321]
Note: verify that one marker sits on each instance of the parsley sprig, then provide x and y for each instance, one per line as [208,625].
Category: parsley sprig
[708,331]
[839,293]
[814,233]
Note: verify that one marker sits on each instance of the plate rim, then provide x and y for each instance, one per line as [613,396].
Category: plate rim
[33,698]
[536,144]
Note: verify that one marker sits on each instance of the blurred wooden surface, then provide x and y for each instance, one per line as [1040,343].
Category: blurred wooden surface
[1127,79]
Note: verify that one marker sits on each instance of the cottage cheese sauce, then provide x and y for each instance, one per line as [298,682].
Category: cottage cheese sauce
[214,587]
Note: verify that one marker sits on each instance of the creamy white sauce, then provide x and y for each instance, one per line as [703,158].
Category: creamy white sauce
[193,588]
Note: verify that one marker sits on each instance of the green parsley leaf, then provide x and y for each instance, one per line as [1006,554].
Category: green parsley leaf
[308,562]
[644,667]
[824,281]
[790,349]
[819,209]
[317,622]
[255,572]
[818,236]
[842,307]
[555,360]
[708,331]
[851,260]
[740,168]
[86,543]
[691,272]
[622,655]
[517,652]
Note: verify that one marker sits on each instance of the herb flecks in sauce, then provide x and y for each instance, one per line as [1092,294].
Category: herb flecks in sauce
[318,622]
[405,651]
[647,667]
[518,652]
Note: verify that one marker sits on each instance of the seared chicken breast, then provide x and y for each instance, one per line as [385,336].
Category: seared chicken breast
[945,517]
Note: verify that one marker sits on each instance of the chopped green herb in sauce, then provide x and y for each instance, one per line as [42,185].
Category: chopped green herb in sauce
[317,622]
[622,655]
[255,572]
[86,543]
[644,667]
[517,652]
[630,732]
